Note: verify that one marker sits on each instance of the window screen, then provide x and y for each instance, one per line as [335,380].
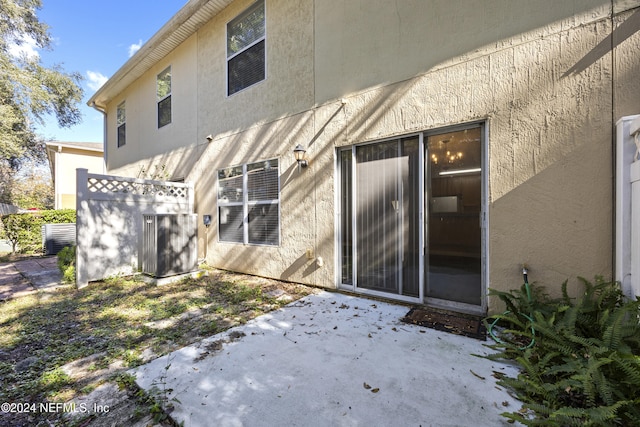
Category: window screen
[249,203]
[121,119]
[163,90]
[246,49]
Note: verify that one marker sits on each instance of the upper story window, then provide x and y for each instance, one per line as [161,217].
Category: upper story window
[121,123]
[163,88]
[245,49]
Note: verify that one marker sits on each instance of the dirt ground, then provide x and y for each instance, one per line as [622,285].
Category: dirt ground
[125,404]
[105,395]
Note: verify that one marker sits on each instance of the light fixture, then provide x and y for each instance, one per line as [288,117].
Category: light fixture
[299,153]
[459,171]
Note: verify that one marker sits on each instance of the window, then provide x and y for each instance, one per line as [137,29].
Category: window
[121,123]
[163,88]
[249,203]
[245,49]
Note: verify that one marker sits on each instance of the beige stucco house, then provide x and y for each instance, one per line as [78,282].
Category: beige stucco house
[445,142]
[64,158]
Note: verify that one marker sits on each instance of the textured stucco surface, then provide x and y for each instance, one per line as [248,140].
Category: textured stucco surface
[547,78]
[146,144]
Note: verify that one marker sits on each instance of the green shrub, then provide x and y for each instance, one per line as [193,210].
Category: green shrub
[24,230]
[584,365]
[67,263]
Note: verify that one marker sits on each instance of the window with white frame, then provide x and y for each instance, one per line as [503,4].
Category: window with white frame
[163,91]
[249,203]
[121,123]
[246,49]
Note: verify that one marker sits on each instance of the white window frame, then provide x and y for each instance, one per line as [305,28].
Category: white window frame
[160,99]
[243,50]
[247,204]
[121,121]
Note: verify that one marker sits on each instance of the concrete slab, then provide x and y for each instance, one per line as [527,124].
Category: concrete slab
[25,277]
[42,273]
[331,360]
[12,283]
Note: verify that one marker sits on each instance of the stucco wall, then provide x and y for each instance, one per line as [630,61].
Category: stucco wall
[288,87]
[541,75]
[147,145]
[69,161]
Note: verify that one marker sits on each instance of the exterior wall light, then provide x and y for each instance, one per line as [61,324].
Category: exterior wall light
[299,153]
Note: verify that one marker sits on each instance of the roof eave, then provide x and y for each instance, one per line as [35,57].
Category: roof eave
[181,26]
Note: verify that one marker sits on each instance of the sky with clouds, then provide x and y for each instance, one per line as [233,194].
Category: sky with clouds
[94,39]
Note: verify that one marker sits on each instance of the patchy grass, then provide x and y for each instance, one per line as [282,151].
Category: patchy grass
[60,345]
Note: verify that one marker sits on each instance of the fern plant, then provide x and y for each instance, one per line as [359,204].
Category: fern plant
[584,368]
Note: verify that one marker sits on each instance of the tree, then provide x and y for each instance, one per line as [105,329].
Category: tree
[33,189]
[29,91]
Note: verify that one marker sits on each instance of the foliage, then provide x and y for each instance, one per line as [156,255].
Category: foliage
[116,325]
[33,189]
[18,229]
[23,230]
[67,263]
[584,368]
[29,91]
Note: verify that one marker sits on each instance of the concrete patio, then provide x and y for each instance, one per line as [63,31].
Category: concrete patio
[20,278]
[331,360]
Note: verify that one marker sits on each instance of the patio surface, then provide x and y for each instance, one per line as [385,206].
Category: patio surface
[331,360]
[20,278]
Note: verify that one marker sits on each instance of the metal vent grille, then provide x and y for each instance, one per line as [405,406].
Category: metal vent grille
[169,244]
[57,236]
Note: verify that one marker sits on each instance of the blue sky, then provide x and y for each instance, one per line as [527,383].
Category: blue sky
[95,38]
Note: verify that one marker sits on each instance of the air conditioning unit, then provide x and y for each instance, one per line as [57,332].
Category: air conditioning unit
[56,236]
[169,244]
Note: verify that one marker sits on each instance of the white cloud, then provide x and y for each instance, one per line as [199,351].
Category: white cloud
[96,80]
[134,48]
[27,47]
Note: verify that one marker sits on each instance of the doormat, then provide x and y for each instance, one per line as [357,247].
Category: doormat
[467,325]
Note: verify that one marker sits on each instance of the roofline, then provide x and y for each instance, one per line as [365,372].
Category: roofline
[186,22]
[55,144]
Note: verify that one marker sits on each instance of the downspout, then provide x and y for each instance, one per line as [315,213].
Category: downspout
[613,142]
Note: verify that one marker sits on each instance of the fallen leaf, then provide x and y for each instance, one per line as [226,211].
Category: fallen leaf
[479,376]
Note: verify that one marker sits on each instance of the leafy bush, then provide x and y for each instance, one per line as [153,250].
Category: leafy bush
[584,365]
[67,263]
[24,230]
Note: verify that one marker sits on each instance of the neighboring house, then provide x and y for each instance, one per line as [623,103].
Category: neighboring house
[64,158]
[448,142]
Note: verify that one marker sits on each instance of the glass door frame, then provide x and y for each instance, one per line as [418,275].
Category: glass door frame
[484,221]
[353,287]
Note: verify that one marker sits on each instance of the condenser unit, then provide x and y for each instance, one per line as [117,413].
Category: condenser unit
[169,245]
[57,236]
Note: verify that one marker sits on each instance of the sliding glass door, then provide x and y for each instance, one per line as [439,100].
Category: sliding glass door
[380,217]
[409,213]
[454,238]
